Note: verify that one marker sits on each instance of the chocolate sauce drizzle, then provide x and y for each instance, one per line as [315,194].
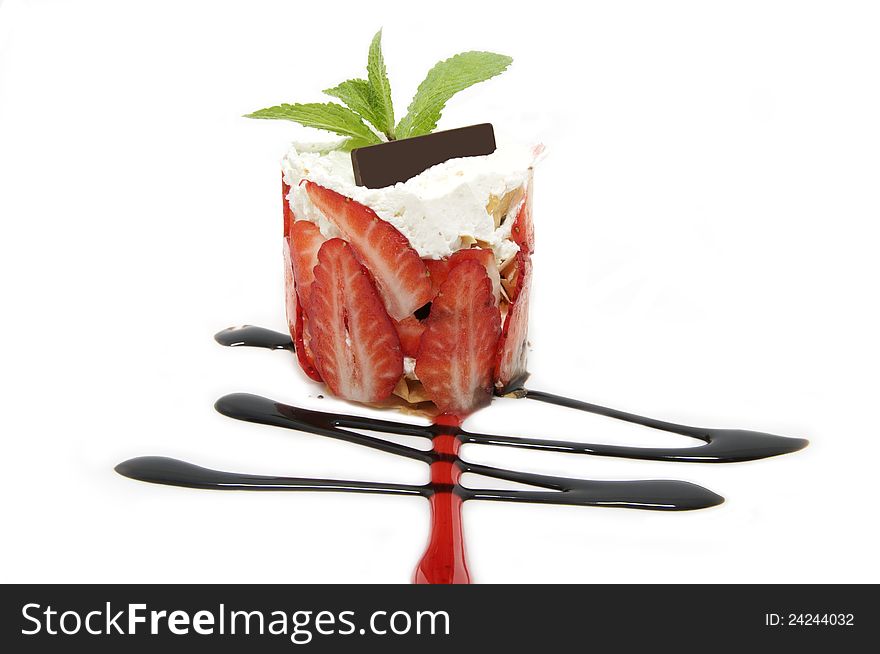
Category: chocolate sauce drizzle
[174,472]
[444,560]
[653,494]
[250,336]
[721,445]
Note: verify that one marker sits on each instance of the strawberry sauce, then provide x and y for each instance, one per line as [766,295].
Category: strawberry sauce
[444,559]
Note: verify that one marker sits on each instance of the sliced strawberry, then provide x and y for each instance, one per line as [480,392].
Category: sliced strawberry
[288,212]
[438,269]
[356,346]
[487,259]
[523,230]
[510,362]
[410,331]
[459,344]
[513,280]
[290,302]
[396,267]
[297,323]
[305,241]
[303,345]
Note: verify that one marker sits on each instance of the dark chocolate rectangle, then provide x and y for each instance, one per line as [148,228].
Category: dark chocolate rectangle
[376,166]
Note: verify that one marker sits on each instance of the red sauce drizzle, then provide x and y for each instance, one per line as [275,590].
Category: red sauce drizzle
[444,560]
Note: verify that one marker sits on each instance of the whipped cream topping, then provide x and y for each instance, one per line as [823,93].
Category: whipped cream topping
[441,210]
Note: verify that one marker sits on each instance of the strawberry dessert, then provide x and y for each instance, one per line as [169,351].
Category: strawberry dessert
[417,292]
[372,316]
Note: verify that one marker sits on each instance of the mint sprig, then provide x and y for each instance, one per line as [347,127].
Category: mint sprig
[368,115]
[357,94]
[327,116]
[442,82]
[381,87]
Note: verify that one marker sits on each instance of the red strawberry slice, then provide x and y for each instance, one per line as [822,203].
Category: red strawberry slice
[410,331]
[459,344]
[523,230]
[288,212]
[296,320]
[510,362]
[487,259]
[356,347]
[301,256]
[303,345]
[438,269]
[514,279]
[305,241]
[290,303]
[399,273]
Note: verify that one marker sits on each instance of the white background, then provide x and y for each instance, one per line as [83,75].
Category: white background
[707,225]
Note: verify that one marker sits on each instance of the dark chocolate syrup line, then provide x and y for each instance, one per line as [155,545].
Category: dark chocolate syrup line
[254,408]
[250,336]
[648,494]
[173,472]
[721,445]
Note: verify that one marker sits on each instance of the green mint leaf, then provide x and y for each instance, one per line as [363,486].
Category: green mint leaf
[442,82]
[350,144]
[357,94]
[327,116]
[381,87]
